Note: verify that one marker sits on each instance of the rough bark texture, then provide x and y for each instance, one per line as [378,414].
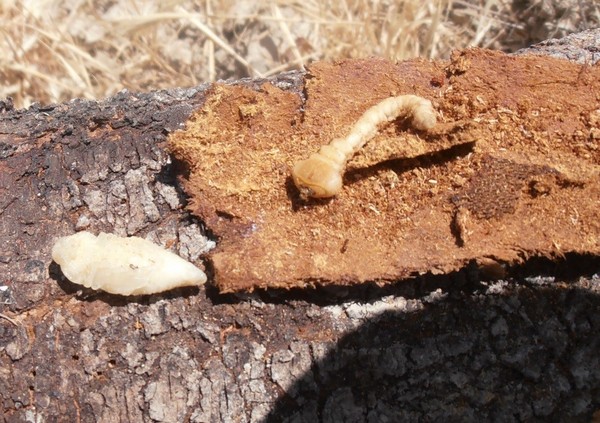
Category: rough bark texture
[582,47]
[434,348]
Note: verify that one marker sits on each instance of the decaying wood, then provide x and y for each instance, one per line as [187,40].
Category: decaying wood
[511,171]
[431,348]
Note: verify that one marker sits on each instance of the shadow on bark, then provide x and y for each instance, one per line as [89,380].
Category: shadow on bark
[527,352]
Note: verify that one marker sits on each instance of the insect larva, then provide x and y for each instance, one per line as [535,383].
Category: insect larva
[320,176]
[124,266]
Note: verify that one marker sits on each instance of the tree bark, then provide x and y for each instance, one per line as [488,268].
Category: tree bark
[432,348]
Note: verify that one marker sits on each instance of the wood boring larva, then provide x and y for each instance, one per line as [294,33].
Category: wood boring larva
[124,266]
[320,176]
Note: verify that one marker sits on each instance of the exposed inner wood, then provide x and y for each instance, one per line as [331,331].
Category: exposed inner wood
[511,171]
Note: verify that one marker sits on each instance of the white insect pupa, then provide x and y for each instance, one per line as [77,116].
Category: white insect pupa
[320,176]
[124,266]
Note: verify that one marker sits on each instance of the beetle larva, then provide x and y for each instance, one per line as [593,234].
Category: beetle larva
[320,176]
[124,266]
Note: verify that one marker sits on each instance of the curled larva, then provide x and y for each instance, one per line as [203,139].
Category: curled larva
[320,175]
[124,266]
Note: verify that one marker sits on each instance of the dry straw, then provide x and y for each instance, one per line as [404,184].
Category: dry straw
[52,50]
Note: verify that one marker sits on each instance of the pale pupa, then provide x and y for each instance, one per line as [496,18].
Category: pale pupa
[124,266]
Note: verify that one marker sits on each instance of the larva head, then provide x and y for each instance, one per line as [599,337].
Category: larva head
[423,117]
[317,178]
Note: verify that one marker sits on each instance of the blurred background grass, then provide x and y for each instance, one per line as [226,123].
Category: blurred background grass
[52,51]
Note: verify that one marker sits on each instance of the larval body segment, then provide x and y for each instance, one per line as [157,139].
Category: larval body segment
[320,176]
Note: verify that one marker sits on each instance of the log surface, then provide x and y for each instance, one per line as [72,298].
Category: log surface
[510,171]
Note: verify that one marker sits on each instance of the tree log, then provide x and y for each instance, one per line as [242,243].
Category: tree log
[448,347]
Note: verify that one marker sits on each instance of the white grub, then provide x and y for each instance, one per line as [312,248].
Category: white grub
[320,176]
[124,266]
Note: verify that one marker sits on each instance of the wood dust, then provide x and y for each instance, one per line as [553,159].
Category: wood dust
[511,171]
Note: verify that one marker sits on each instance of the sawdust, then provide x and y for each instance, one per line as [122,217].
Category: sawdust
[511,171]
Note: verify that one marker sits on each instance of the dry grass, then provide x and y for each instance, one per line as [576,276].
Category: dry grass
[54,50]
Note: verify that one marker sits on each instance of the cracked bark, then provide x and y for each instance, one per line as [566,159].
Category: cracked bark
[433,348]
